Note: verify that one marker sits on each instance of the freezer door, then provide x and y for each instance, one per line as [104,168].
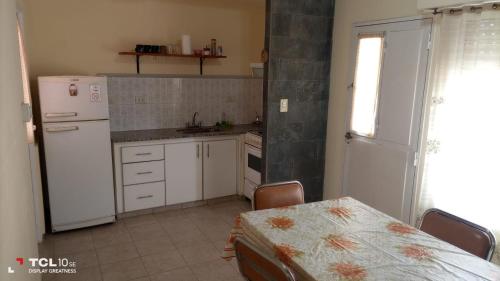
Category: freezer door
[79,171]
[65,99]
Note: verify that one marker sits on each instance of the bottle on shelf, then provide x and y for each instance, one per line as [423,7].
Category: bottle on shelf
[213,47]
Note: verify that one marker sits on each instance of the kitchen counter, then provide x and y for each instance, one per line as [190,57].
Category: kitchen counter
[161,134]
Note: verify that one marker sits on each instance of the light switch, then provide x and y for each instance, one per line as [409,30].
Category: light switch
[284,105]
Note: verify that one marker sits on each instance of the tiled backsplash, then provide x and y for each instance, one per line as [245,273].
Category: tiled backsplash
[141,103]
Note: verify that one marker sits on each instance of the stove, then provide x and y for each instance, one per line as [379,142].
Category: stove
[253,162]
[254,138]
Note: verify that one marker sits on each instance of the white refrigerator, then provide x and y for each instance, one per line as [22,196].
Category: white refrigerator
[76,134]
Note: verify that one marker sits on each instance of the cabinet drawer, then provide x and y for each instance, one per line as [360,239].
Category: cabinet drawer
[144,172]
[144,196]
[142,153]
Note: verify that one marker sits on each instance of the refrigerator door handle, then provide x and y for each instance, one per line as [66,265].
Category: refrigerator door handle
[62,114]
[62,129]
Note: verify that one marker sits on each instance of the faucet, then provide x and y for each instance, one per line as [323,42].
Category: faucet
[193,124]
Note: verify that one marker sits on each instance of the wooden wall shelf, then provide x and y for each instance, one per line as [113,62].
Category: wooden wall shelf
[139,55]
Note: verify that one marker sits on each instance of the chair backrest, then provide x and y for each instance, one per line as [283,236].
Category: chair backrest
[276,195]
[257,266]
[466,235]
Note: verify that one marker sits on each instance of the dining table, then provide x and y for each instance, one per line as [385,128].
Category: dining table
[344,239]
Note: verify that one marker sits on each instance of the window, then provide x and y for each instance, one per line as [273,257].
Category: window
[367,84]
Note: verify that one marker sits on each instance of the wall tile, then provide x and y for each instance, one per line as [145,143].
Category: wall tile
[299,40]
[171,102]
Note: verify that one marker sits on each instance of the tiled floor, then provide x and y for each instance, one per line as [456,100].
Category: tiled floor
[179,245]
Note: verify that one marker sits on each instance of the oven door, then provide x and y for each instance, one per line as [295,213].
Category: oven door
[253,164]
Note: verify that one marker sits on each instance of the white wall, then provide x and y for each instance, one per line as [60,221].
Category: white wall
[17,226]
[348,12]
[84,36]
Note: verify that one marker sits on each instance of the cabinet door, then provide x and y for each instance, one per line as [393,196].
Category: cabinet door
[183,172]
[219,168]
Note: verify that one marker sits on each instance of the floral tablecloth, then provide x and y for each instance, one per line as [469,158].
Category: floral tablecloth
[346,240]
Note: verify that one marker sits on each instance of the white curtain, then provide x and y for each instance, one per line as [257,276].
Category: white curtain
[461,170]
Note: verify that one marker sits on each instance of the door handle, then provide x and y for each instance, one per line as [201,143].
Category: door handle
[208,150]
[348,137]
[144,173]
[62,129]
[198,151]
[144,197]
[143,154]
[62,114]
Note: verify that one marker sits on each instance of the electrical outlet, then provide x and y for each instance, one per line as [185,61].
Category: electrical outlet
[140,99]
[284,105]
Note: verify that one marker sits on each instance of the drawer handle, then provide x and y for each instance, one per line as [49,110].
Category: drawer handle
[61,129]
[144,173]
[145,197]
[143,154]
[62,114]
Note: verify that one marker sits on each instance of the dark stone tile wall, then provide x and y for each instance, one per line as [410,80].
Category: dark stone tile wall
[299,42]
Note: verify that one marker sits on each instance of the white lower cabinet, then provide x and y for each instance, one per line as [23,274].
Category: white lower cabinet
[144,196]
[183,172]
[219,169]
[156,174]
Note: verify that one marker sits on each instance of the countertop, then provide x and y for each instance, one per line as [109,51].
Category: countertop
[162,134]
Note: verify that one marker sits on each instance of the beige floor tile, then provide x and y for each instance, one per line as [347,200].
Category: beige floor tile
[169,214]
[228,215]
[72,234]
[85,274]
[139,220]
[178,225]
[181,274]
[186,239]
[155,245]
[148,231]
[83,259]
[46,249]
[163,262]
[220,245]
[200,213]
[214,229]
[64,246]
[200,253]
[108,239]
[48,277]
[123,270]
[218,270]
[142,279]
[210,222]
[110,234]
[116,253]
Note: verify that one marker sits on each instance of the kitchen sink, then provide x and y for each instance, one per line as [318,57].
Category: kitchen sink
[198,130]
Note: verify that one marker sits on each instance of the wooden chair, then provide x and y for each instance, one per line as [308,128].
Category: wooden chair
[254,265]
[276,195]
[466,235]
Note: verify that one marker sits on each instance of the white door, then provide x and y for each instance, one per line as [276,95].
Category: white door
[79,172]
[219,169]
[389,71]
[183,172]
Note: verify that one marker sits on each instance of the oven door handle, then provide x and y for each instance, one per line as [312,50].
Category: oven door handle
[250,149]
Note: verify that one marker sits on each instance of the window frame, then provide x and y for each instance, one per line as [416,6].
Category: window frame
[359,37]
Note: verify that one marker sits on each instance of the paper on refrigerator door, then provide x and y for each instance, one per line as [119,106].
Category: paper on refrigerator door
[95,93]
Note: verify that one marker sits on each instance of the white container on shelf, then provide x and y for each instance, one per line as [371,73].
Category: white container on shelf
[186,45]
